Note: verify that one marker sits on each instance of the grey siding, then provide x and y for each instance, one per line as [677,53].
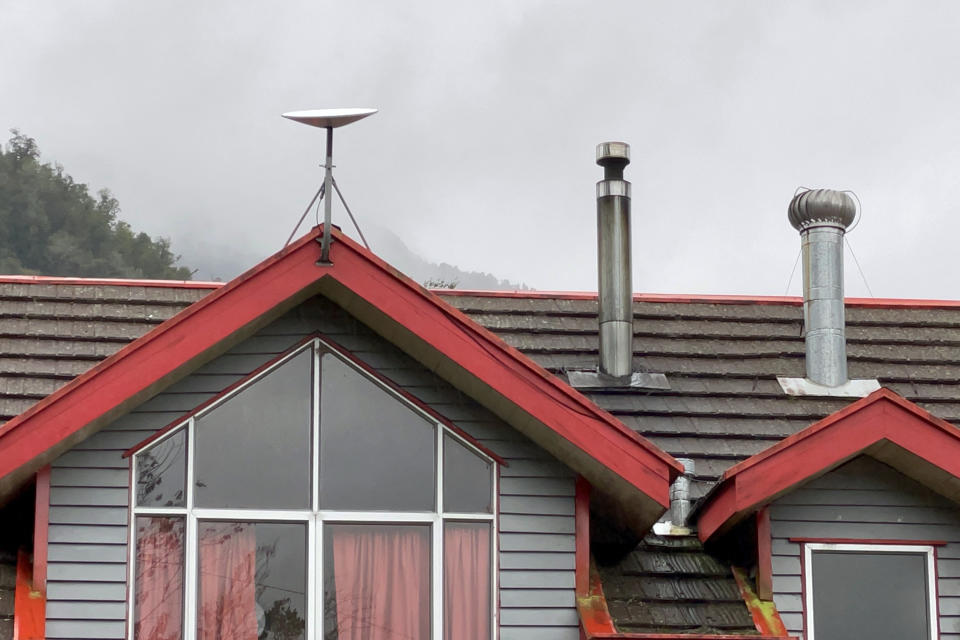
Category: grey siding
[89,490]
[868,500]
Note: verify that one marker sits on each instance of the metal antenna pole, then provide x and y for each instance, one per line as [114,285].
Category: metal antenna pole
[318,194]
[329,119]
[327,202]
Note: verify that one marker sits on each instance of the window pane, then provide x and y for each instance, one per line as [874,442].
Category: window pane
[467,479]
[881,596]
[252,581]
[466,581]
[377,581]
[158,601]
[253,451]
[375,452]
[162,472]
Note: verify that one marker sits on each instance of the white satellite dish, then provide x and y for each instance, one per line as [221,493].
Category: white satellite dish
[328,119]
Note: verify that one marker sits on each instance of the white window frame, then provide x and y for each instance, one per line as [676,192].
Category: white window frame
[809,548]
[314,518]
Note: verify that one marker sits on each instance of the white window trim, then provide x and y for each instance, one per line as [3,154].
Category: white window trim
[315,517]
[810,547]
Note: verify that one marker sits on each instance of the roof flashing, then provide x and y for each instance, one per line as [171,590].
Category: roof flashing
[807,387]
[593,379]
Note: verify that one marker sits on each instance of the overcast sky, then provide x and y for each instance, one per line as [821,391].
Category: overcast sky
[482,154]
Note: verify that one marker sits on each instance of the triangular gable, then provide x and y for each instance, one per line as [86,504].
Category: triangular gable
[592,442]
[883,425]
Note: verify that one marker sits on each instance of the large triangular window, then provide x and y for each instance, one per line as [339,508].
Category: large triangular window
[312,501]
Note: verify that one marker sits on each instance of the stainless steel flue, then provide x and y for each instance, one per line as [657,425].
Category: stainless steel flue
[822,217]
[613,259]
[680,494]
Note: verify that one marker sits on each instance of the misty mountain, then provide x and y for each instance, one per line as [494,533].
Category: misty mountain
[391,248]
[218,262]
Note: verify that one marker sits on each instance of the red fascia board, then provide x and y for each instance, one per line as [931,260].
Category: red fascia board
[41,529]
[116,282]
[881,416]
[887,303]
[291,272]
[697,298]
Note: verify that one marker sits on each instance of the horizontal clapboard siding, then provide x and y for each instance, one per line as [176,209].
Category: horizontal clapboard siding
[864,499]
[90,488]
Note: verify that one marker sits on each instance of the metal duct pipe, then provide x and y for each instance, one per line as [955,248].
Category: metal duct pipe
[680,494]
[822,217]
[613,261]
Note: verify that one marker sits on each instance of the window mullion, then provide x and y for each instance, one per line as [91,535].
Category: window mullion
[315,430]
[437,564]
[313,569]
[190,560]
[437,577]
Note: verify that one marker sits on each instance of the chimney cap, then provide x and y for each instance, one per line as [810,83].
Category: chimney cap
[821,207]
[613,153]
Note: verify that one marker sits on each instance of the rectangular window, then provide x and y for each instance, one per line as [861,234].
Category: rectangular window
[875,591]
[377,581]
[158,596]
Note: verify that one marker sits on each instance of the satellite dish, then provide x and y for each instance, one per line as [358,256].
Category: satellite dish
[328,118]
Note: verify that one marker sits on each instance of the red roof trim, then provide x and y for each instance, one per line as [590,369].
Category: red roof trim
[693,298]
[144,365]
[117,282]
[696,298]
[881,416]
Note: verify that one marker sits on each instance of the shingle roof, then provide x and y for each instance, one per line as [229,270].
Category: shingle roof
[670,585]
[52,330]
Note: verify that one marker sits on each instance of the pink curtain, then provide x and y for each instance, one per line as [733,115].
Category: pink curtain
[159,581]
[228,564]
[382,576]
[466,581]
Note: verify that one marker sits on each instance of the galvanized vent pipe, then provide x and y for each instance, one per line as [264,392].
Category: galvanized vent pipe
[613,259]
[822,217]
[680,494]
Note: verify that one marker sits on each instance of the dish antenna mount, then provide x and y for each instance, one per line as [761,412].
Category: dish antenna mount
[328,119]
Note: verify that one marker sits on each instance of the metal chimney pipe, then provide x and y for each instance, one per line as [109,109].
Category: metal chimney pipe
[680,494]
[822,217]
[613,261]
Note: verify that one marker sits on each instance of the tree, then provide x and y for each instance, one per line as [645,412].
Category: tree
[51,225]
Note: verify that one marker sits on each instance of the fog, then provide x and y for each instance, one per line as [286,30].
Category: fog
[482,154]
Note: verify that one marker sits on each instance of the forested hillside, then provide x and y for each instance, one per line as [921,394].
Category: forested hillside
[51,225]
